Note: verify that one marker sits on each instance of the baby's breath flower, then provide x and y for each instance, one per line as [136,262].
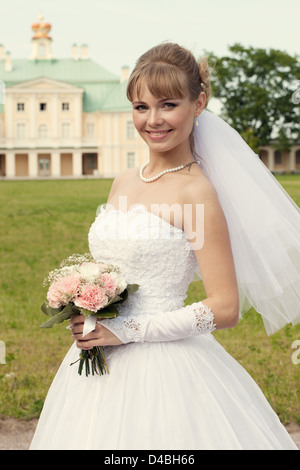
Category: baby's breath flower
[76,259]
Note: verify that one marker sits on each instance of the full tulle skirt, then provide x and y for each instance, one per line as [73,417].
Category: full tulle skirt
[180,395]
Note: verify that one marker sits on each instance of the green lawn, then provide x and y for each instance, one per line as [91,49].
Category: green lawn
[43,222]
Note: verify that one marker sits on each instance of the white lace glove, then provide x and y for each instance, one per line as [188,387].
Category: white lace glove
[192,320]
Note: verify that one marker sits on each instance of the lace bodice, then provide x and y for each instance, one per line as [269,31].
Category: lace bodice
[149,252]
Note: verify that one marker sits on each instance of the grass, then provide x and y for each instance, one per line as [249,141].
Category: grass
[43,222]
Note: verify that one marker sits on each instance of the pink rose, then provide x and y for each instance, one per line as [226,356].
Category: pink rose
[62,291]
[110,284]
[91,298]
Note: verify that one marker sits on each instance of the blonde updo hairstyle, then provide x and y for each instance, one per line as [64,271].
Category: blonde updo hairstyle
[170,71]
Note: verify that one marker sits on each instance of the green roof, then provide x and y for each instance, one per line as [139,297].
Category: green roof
[117,99]
[102,89]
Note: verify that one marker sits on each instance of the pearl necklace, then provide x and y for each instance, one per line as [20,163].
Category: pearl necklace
[170,170]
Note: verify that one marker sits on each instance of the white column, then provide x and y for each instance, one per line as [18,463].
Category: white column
[105,167]
[271,159]
[55,111]
[78,118]
[10,163]
[292,160]
[77,163]
[33,164]
[55,164]
[32,111]
[8,116]
[99,163]
[117,153]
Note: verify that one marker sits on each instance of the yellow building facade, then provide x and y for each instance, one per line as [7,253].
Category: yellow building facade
[70,118]
[64,117]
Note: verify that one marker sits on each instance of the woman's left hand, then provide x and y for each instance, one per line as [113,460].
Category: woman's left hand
[101,336]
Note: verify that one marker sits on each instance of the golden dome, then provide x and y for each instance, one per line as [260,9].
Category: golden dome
[41,29]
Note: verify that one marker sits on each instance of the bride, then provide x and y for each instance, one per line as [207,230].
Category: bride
[171,384]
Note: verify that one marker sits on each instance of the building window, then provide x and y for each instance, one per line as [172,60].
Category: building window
[65,130]
[65,106]
[20,106]
[44,164]
[90,129]
[278,157]
[43,106]
[130,160]
[43,132]
[91,161]
[21,131]
[130,130]
[298,157]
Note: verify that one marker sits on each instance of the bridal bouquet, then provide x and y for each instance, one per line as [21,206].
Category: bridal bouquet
[81,286]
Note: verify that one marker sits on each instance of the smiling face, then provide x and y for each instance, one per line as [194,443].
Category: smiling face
[165,124]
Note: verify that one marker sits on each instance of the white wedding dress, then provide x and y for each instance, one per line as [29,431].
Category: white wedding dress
[174,395]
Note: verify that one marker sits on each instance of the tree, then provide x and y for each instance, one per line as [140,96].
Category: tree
[257,89]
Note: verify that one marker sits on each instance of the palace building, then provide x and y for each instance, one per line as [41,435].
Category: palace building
[71,118]
[64,117]
[281,161]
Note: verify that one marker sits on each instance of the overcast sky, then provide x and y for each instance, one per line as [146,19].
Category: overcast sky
[118,31]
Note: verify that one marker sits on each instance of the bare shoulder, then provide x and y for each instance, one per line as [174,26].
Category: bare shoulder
[198,189]
[122,178]
[125,175]
[199,194]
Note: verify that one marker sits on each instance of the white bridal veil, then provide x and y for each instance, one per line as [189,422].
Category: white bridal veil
[263,222]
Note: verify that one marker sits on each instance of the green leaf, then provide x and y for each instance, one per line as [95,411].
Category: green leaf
[120,298]
[49,310]
[115,300]
[132,287]
[72,309]
[86,313]
[123,297]
[108,312]
[67,312]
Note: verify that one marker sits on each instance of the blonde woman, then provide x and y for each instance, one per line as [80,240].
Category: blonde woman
[171,385]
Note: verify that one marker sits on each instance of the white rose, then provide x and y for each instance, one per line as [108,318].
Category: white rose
[121,283]
[90,272]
